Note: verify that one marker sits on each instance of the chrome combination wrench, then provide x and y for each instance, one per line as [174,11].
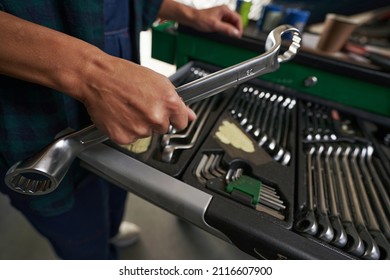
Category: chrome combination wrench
[43,172]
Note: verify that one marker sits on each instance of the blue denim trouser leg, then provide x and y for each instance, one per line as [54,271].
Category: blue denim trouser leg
[82,231]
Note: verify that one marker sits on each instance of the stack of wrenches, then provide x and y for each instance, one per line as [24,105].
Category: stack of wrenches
[344,207]
[267,118]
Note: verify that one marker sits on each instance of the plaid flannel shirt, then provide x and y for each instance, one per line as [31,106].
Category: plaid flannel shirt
[31,115]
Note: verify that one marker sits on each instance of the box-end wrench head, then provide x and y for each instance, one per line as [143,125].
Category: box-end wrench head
[42,173]
[242,72]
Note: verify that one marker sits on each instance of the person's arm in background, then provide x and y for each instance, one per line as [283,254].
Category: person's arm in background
[216,19]
[124,100]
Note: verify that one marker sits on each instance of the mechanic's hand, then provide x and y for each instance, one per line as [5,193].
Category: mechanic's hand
[218,19]
[127,101]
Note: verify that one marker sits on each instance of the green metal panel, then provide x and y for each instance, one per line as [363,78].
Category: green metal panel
[223,55]
[164,42]
[342,89]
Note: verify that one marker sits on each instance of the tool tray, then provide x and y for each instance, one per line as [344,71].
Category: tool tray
[261,227]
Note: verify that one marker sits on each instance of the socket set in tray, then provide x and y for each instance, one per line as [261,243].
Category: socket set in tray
[315,168]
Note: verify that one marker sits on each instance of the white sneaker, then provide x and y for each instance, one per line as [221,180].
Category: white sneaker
[128,235]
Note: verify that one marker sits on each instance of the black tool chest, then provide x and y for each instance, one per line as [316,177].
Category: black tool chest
[280,174]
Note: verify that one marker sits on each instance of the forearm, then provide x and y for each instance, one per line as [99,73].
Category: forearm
[216,19]
[44,56]
[173,10]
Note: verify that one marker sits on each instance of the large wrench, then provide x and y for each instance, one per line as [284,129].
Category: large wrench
[42,173]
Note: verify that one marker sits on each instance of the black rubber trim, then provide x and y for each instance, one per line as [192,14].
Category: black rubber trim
[262,238]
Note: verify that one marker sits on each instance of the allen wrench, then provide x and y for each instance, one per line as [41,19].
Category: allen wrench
[166,138]
[169,150]
[43,172]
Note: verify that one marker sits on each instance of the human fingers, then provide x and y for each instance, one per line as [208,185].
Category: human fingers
[180,118]
[233,18]
[227,29]
[220,19]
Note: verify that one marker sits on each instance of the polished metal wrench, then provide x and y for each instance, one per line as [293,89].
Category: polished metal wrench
[355,244]
[307,221]
[43,172]
[371,249]
[340,235]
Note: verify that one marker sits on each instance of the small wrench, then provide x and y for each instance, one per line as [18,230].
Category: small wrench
[307,222]
[325,232]
[340,236]
[371,248]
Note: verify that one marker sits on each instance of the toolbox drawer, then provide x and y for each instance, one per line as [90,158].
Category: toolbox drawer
[259,176]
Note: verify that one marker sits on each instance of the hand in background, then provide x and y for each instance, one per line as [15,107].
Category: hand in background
[218,19]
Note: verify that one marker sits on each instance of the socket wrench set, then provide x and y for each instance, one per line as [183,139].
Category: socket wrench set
[307,166]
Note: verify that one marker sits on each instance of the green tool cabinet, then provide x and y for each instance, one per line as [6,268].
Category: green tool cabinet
[345,83]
